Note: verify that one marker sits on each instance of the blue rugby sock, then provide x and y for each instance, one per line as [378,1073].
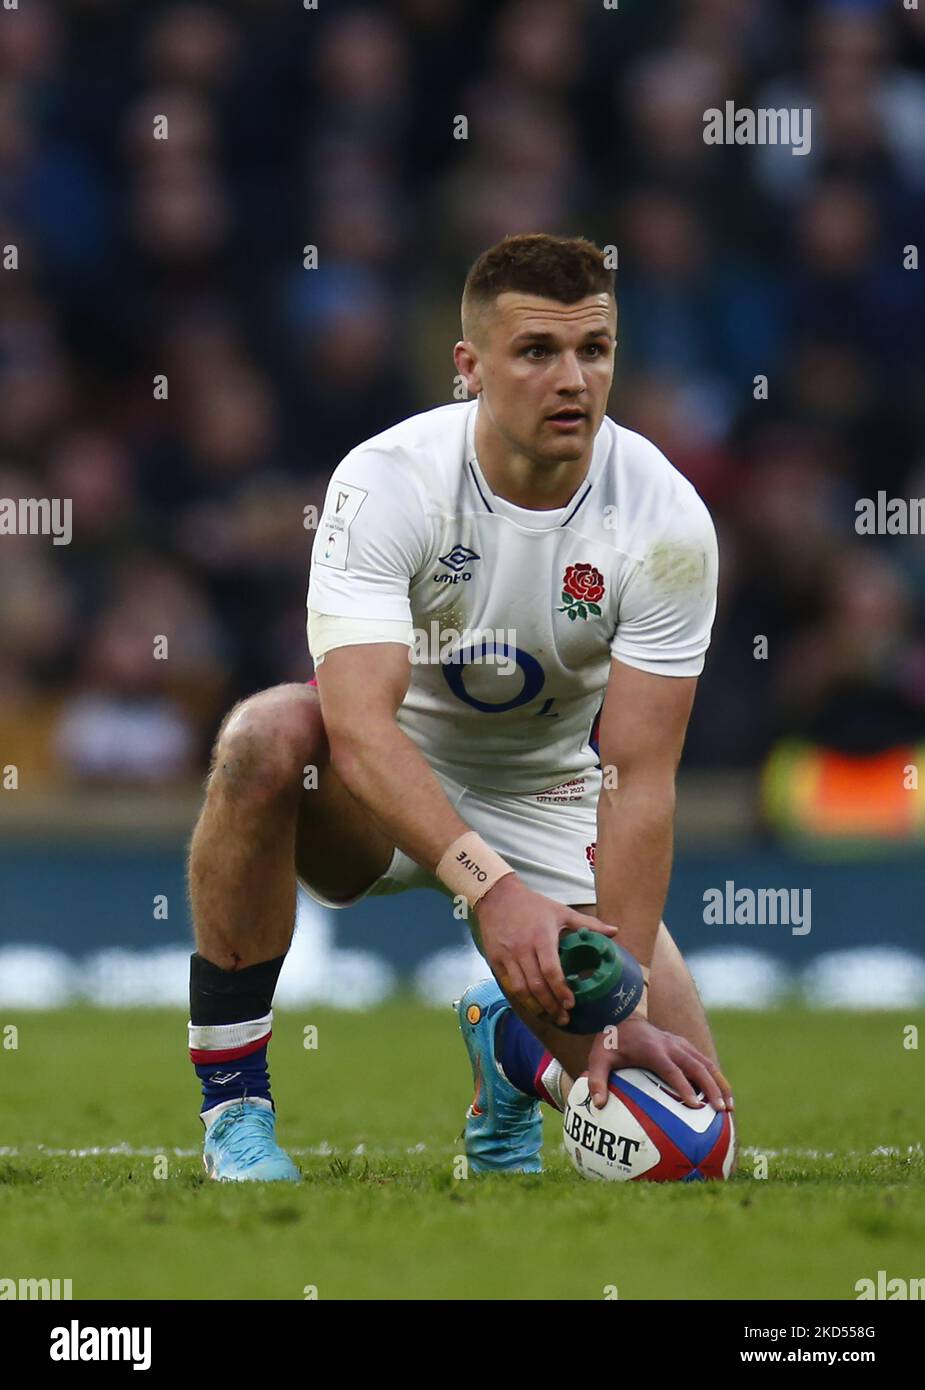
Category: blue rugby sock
[520,1053]
[231,1023]
[244,1077]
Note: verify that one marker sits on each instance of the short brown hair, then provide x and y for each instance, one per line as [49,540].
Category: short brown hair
[553,267]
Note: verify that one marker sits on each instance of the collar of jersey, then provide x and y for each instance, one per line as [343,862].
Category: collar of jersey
[530,520]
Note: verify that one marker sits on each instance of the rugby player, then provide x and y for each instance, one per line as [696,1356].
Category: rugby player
[509,604]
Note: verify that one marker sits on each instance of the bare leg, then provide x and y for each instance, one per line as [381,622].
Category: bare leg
[260,825]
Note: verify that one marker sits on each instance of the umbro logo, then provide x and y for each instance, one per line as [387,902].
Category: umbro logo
[457,558]
[221,1078]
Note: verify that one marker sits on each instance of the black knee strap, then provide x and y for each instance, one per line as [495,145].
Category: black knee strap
[219,996]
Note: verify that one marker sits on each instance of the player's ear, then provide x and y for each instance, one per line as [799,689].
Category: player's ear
[465,356]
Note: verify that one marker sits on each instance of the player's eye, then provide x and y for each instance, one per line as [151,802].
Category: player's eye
[535,347]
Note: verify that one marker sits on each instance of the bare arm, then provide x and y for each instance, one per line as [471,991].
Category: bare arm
[361,689]
[642,730]
[643,724]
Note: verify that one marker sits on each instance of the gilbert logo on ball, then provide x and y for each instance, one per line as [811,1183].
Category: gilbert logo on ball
[645,1132]
[605,979]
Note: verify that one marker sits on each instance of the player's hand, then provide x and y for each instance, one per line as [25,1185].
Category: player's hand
[678,1063]
[520,936]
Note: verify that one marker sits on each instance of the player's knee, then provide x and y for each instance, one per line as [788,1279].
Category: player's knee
[267,741]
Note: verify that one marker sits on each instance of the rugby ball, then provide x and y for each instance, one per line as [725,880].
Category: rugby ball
[645,1132]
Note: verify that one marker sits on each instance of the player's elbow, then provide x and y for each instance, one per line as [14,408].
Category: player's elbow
[354,751]
[346,753]
[651,790]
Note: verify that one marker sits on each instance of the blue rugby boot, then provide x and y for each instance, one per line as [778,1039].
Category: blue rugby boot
[504,1127]
[240,1146]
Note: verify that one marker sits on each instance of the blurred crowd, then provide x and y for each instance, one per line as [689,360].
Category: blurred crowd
[179,261]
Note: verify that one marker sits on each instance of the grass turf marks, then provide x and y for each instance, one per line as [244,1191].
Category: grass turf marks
[817,1095]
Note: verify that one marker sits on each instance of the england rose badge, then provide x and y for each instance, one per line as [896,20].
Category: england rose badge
[582,590]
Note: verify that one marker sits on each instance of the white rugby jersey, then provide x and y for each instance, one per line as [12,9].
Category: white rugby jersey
[513,615]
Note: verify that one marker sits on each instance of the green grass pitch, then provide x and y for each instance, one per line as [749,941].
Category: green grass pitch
[817,1094]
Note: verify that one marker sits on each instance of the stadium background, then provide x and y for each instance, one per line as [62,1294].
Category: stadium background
[184,257]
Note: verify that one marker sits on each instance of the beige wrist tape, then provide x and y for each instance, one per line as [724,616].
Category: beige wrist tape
[468,867]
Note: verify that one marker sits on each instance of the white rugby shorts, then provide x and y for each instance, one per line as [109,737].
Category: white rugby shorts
[548,837]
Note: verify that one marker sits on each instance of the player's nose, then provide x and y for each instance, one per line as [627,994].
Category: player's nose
[571,377]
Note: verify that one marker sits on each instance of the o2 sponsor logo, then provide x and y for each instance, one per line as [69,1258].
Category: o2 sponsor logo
[534,677]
